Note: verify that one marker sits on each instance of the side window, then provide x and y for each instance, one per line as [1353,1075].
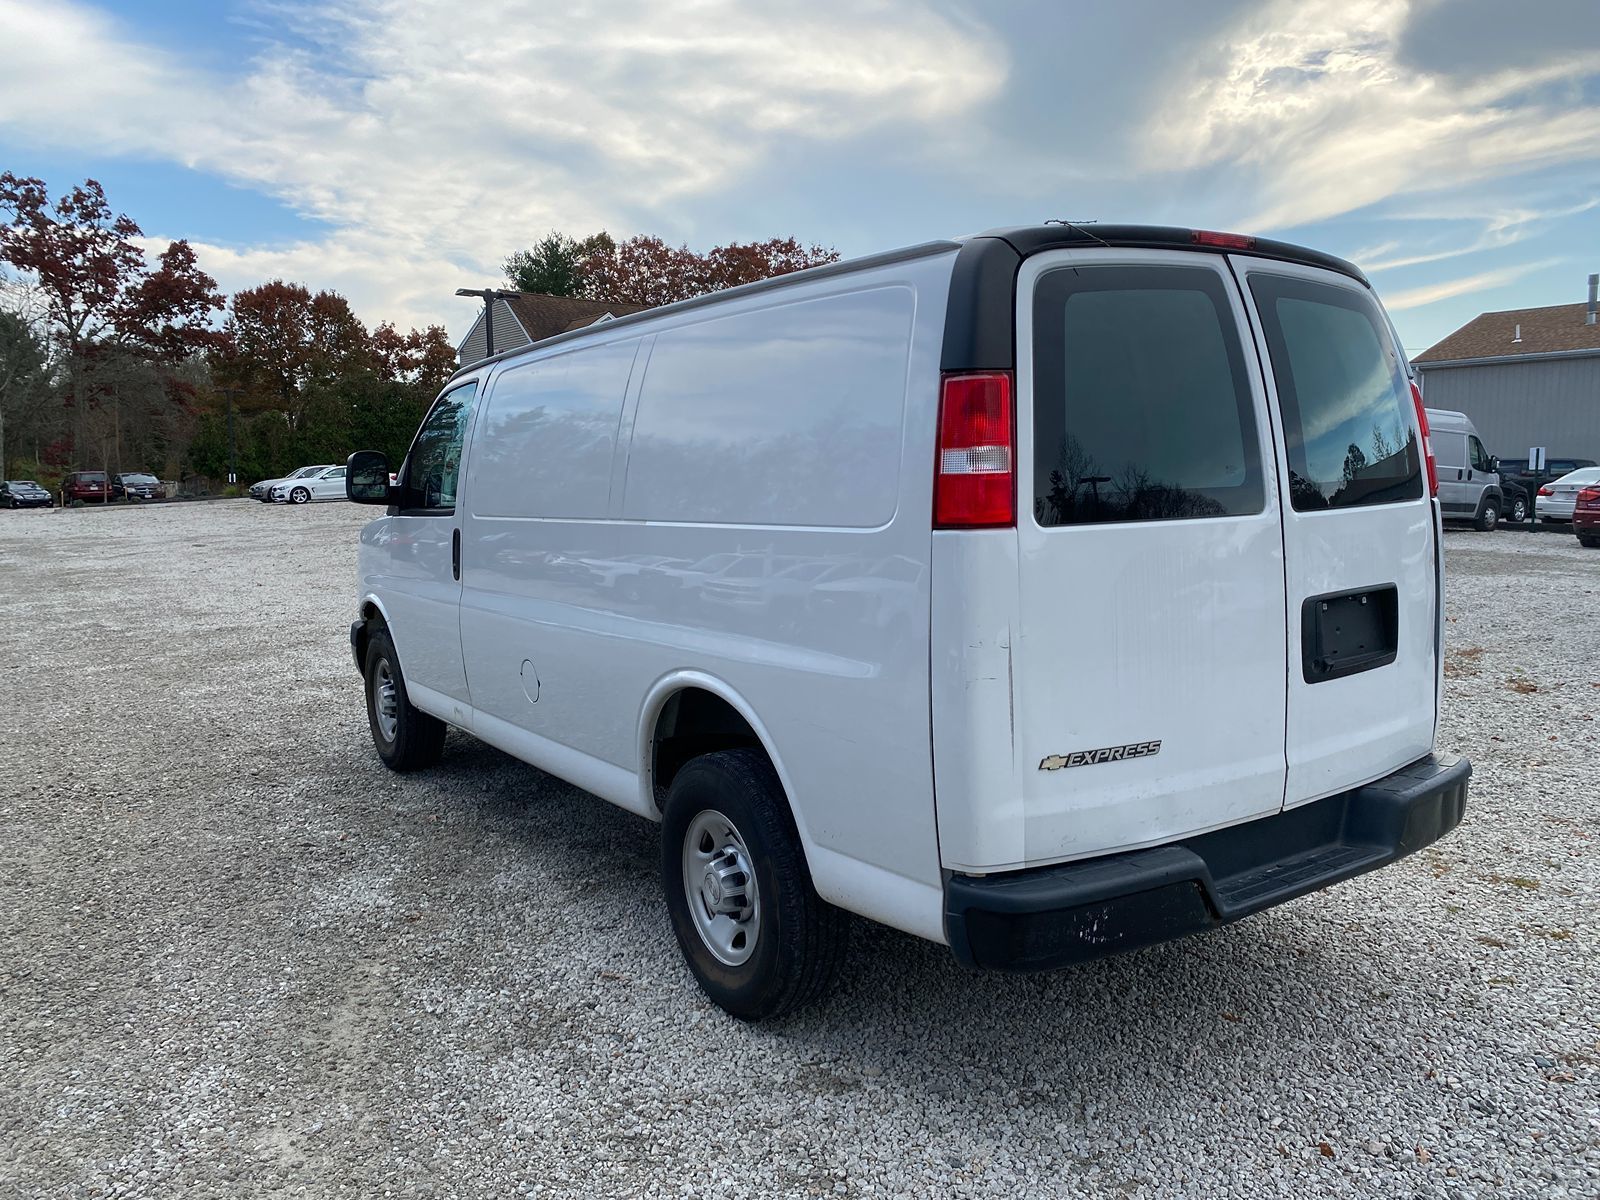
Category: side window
[1142,402]
[1343,393]
[428,478]
[1480,456]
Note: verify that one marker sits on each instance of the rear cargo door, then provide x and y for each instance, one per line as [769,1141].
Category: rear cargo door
[1359,530]
[1148,674]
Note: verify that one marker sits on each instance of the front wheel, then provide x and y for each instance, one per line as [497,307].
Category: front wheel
[406,738]
[299,496]
[757,937]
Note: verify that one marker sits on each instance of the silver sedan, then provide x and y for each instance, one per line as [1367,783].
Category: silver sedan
[1556,498]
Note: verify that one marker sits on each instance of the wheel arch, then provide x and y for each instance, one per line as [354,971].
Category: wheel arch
[672,689]
[371,610]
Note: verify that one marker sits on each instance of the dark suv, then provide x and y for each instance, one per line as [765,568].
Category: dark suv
[85,485]
[1520,485]
[137,485]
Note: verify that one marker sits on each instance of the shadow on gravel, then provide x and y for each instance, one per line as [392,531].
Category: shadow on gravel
[1221,1005]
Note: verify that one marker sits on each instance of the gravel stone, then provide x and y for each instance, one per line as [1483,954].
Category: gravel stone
[239,958]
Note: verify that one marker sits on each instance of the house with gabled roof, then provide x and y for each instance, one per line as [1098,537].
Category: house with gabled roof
[1527,377]
[520,318]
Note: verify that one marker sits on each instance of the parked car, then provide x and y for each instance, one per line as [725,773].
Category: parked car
[1469,479]
[1518,506]
[1556,500]
[262,490]
[1515,474]
[1586,516]
[24,493]
[325,483]
[137,484]
[1135,629]
[86,485]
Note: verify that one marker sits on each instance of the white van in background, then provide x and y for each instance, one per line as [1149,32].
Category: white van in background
[1469,476]
[957,587]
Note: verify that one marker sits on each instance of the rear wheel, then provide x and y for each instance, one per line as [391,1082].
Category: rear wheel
[756,935]
[406,738]
[1488,516]
[1519,510]
[1591,542]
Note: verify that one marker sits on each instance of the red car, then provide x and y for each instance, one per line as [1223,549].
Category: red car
[1586,516]
[85,485]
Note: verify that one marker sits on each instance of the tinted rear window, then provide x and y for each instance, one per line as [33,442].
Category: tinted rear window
[1142,403]
[1345,400]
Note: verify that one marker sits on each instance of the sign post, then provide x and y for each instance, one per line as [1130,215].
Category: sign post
[1536,458]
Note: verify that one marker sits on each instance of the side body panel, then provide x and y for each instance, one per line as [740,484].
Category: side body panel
[765,536]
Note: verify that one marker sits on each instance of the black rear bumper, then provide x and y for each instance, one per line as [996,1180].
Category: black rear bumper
[1049,917]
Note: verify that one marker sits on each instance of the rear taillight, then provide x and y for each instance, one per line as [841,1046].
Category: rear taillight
[974,482]
[1427,442]
[1545,491]
[1588,496]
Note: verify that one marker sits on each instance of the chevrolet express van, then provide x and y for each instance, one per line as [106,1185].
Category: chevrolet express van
[1469,476]
[1049,593]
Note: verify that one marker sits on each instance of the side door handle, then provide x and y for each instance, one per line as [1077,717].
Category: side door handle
[455,553]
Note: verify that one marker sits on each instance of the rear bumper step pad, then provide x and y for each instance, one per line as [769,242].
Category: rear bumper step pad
[1049,917]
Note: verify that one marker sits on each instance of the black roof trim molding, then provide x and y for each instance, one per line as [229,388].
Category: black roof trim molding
[980,323]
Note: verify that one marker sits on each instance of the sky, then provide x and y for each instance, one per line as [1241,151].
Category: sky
[394,150]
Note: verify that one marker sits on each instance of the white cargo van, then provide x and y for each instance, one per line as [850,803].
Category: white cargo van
[1469,476]
[1045,594]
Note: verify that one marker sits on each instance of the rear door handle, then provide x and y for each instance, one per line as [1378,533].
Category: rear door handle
[455,553]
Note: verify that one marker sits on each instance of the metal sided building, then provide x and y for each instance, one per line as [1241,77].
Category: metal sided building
[1527,377]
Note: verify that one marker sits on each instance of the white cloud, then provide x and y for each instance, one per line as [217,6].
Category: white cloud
[1446,289]
[1318,116]
[434,139]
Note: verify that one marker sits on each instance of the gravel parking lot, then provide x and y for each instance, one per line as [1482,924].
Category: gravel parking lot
[239,958]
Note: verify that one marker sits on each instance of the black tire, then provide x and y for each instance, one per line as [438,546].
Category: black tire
[1519,510]
[802,939]
[1488,516]
[1592,542]
[418,739]
[299,496]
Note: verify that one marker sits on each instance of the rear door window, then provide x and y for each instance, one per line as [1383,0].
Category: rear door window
[1142,401]
[1343,394]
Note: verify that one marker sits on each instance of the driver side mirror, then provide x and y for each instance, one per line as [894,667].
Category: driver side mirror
[366,477]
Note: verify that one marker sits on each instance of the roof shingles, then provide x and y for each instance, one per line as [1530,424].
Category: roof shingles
[1552,330]
[546,316]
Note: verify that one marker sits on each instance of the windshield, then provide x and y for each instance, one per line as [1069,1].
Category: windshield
[138,477]
[21,483]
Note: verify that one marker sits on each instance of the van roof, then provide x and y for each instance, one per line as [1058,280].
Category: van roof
[1063,235]
[1447,418]
[978,333]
